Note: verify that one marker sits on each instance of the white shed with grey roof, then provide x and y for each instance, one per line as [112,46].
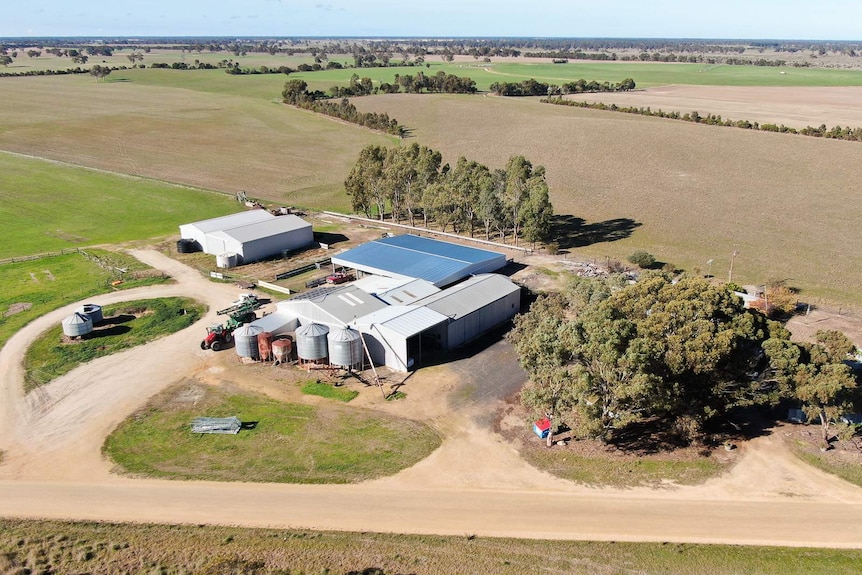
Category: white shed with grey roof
[334,306]
[474,306]
[252,235]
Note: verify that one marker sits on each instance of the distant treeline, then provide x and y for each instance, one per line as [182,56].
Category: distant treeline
[837,132]
[440,82]
[532,87]
[296,94]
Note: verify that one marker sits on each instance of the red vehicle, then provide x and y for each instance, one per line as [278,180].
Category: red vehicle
[339,278]
[217,337]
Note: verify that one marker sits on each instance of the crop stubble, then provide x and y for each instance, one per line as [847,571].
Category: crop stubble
[783,202]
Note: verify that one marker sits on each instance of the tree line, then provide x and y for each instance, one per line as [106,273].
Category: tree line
[605,358]
[532,87]
[822,131]
[410,182]
[296,93]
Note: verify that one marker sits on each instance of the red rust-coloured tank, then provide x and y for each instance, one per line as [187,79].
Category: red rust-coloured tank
[264,346]
[282,349]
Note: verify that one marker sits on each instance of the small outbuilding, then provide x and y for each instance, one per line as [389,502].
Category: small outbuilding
[542,427]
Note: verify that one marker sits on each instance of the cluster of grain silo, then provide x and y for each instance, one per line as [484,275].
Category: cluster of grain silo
[81,323]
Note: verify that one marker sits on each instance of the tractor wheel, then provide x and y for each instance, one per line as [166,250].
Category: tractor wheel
[216,346]
[227,337]
[203,344]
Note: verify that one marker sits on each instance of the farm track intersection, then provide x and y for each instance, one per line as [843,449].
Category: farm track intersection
[474,484]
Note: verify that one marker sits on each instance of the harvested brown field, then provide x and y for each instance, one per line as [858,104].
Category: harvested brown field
[687,193]
[795,107]
[213,141]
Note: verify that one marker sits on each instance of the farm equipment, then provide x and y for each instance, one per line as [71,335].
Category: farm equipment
[217,337]
[239,312]
[339,278]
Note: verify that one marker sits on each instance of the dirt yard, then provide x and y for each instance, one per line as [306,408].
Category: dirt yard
[474,483]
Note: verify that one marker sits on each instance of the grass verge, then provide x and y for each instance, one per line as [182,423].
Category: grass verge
[837,461]
[126,325]
[29,546]
[33,288]
[283,442]
[623,472]
[329,391]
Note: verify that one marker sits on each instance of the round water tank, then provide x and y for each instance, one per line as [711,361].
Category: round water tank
[77,325]
[311,341]
[245,337]
[345,347]
[264,346]
[281,349]
[91,310]
[226,260]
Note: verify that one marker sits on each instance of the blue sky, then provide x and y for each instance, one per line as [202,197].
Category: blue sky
[786,19]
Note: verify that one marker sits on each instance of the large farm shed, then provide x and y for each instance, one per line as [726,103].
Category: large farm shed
[474,306]
[415,257]
[398,308]
[252,235]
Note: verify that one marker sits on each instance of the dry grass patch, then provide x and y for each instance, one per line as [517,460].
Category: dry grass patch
[106,548]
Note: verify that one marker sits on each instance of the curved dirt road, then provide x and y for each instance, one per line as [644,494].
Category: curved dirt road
[473,484]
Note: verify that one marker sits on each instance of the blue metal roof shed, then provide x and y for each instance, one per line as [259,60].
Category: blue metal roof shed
[407,256]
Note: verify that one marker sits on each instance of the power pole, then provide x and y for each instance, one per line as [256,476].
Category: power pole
[730,273]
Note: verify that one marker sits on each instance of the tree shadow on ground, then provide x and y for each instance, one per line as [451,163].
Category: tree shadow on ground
[573,232]
[658,435]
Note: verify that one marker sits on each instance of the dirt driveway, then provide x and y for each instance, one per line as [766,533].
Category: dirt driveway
[473,484]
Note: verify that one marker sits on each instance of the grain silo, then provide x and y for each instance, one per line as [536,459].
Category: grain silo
[77,325]
[245,337]
[93,311]
[345,348]
[311,342]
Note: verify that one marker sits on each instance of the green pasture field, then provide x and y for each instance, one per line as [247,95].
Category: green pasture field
[126,325]
[38,286]
[644,74]
[30,546]
[290,443]
[47,206]
[686,193]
